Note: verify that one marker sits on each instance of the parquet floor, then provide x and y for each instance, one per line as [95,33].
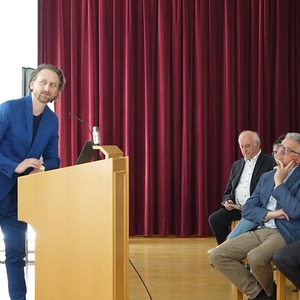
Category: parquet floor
[171,268]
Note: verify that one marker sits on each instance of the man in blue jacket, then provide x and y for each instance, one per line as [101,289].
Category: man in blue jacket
[28,144]
[275,208]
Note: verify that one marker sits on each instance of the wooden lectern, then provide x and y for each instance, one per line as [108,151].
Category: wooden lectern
[80,216]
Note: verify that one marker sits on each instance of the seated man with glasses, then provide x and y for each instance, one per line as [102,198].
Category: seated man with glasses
[275,208]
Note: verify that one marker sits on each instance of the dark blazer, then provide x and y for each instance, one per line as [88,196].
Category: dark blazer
[16,126]
[264,164]
[288,198]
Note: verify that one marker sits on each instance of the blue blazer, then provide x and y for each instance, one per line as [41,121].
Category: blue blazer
[288,198]
[16,126]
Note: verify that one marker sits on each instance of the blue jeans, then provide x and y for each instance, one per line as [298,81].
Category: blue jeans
[242,226]
[14,233]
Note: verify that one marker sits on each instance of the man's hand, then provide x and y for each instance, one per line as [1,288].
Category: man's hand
[282,171]
[230,205]
[38,170]
[27,163]
[276,214]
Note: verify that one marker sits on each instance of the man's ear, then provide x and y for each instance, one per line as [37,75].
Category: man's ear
[297,161]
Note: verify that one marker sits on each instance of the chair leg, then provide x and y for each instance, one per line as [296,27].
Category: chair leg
[236,293]
[280,281]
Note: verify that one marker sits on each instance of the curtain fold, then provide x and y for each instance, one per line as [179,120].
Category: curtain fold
[172,83]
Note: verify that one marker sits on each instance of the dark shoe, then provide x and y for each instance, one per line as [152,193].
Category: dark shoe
[247,266]
[274,290]
[263,296]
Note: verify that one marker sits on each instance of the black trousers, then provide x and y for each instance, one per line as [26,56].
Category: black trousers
[287,260]
[220,221]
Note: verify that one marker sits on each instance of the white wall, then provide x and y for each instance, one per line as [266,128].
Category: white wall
[18,34]
[18,48]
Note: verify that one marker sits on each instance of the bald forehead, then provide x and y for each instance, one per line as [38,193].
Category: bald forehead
[246,138]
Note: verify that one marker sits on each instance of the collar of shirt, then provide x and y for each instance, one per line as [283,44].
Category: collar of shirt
[254,159]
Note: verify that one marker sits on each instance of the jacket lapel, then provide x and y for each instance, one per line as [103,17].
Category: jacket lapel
[258,164]
[28,120]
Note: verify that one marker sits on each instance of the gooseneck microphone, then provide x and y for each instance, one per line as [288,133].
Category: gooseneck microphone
[95,134]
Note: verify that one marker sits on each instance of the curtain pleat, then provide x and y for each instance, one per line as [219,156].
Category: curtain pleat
[172,83]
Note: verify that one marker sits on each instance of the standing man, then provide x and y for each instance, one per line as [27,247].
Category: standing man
[28,144]
[244,176]
[275,208]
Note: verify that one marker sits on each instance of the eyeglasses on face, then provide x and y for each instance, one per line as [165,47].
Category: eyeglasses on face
[274,153]
[284,149]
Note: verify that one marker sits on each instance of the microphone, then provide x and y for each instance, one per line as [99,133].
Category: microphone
[95,134]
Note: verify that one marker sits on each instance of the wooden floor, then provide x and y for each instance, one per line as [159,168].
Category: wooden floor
[172,269]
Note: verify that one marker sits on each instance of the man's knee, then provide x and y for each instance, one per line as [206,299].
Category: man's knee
[255,258]
[215,216]
[279,257]
[288,255]
[216,257]
[211,218]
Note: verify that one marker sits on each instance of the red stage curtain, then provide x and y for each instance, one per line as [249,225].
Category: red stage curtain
[172,83]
